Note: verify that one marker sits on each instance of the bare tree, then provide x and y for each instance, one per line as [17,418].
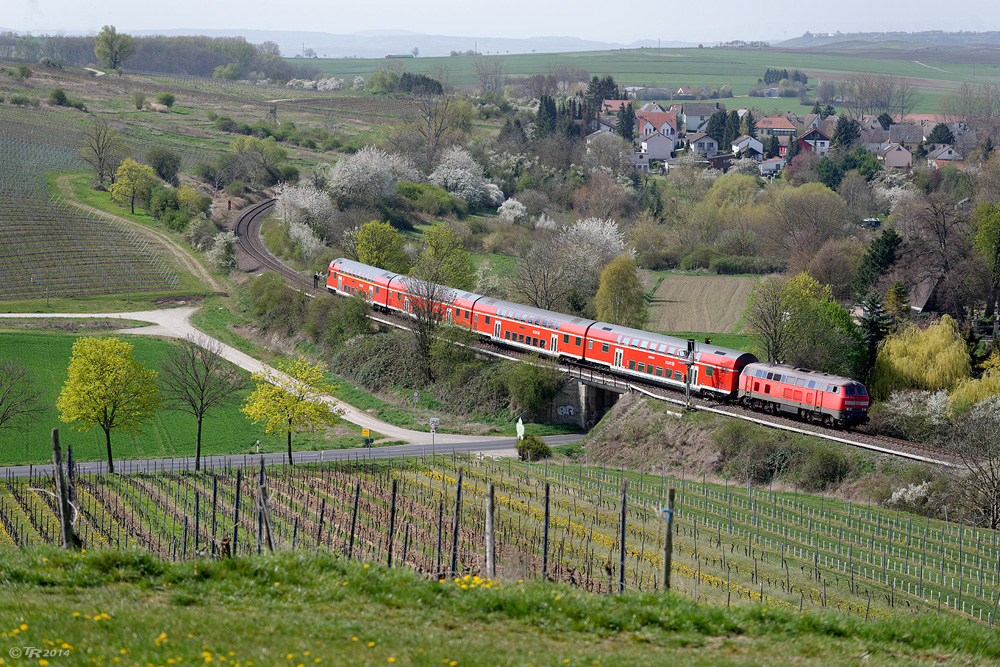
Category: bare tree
[978,448]
[104,149]
[492,74]
[430,303]
[543,281]
[439,118]
[766,318]
[936,233]
[197,379]
[20,395]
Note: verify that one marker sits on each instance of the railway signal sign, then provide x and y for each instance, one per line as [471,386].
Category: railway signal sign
[416,395]
[366,432]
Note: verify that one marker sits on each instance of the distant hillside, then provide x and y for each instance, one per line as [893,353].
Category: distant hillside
[373,44]
[818,40]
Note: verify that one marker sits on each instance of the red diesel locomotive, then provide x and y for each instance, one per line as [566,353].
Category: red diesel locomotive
[629,352]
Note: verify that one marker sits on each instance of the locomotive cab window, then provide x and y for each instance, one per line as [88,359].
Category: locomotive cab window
[770,376]
[812,384]
[708,371]
[849,391]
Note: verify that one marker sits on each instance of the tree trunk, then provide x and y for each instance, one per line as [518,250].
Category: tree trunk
[289,442]
[111,462]
[197,448]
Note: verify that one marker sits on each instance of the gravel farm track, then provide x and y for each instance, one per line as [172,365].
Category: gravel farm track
[253,254]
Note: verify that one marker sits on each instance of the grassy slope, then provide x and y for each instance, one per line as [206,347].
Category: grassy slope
[300,609]
[171,434]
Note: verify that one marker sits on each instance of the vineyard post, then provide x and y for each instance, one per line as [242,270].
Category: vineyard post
[406,542]
[440,530]
[491,571]
[70,472]
[458,522]
[184,547]
[69,540]
[264,511]
[236,511]
[621,552]
[392,521]
[295,534]
[197,521]
[215,502]
[668,544]
[545,537]
[319,528]
[354,521]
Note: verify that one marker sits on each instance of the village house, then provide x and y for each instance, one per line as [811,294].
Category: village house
[908,135]
[772,166]
[895,156]
[651,122]
[653,147]
[614,106]
[943,155]
[700,143]
[695,115]
[816,142]
[749,147]
[775,125]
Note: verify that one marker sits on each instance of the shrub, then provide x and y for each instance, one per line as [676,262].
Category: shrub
[532,386]
[57,97]
[164,162]
[236,188]
[730,265]
[699,258]
[24,101]
[166,99]
[534,448]
[427,198]
[139,100]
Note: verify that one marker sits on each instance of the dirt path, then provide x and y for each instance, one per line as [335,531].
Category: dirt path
[181,256]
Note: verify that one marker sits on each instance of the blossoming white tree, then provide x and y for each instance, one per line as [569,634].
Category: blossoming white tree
[369,176]
[460,175]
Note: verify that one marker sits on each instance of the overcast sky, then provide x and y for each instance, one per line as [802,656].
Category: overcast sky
[587,19]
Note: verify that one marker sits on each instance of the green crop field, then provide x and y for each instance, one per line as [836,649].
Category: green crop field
[172,433]
[933,74]
[682,302]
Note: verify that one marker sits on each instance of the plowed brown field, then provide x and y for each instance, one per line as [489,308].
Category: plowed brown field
[699,303]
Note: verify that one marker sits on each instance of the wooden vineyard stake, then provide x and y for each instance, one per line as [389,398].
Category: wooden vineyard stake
[458,523]
[215,502]
[545,537]
[69,539]
[319,528]
[491,566]
[668,543]
[621,552]
[264,512]
[440,530]
[236,511]
[354,521]
[392,522]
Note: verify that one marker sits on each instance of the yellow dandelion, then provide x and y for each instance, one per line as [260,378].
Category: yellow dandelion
[290,656]
[43,661]
[354,639]
[366,566]
[371,644]
[277,583]
[392,660]
[24,626]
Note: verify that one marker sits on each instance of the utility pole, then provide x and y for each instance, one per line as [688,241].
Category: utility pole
[689,363]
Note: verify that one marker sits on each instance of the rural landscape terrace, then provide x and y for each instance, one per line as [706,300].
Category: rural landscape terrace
[633,356]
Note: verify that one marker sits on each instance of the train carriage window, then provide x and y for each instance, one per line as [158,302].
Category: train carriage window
[534,342]
[578,341]
[487,320]
[659,371]
[604,347]
[812,384]
[708,371]
[531,319]
[565,339]
[634,342]
[376,290]
[590,345]
[506,335]
[770,376]
[800,382]
[541,343]
[662,348]
[557,325]
[760,374]
[649,369]
[524,317]
[642,368]
[619,340]
[545,322]
[678,376]
[631,365]
[520,338]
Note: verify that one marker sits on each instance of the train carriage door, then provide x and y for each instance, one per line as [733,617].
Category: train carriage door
[619,354]
[555,343]
[371,293]
[496,329]
[694,376]
[340,283]
[406,304]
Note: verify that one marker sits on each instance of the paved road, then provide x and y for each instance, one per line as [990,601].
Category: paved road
[497,447]
[175,323]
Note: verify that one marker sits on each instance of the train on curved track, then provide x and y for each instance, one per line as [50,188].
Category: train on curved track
[704,368]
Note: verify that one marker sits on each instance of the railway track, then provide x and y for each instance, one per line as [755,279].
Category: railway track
[250,242]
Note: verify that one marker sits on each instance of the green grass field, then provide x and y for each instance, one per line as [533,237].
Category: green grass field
[306,609]
[172,433]
[739,68]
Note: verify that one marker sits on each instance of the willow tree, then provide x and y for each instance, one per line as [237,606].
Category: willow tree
[620,297]
[933,358]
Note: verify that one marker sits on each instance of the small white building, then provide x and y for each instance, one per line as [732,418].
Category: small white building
[772,166]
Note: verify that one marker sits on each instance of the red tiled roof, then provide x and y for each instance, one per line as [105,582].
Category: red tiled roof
[614,105]
[774,123]
[658,118]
